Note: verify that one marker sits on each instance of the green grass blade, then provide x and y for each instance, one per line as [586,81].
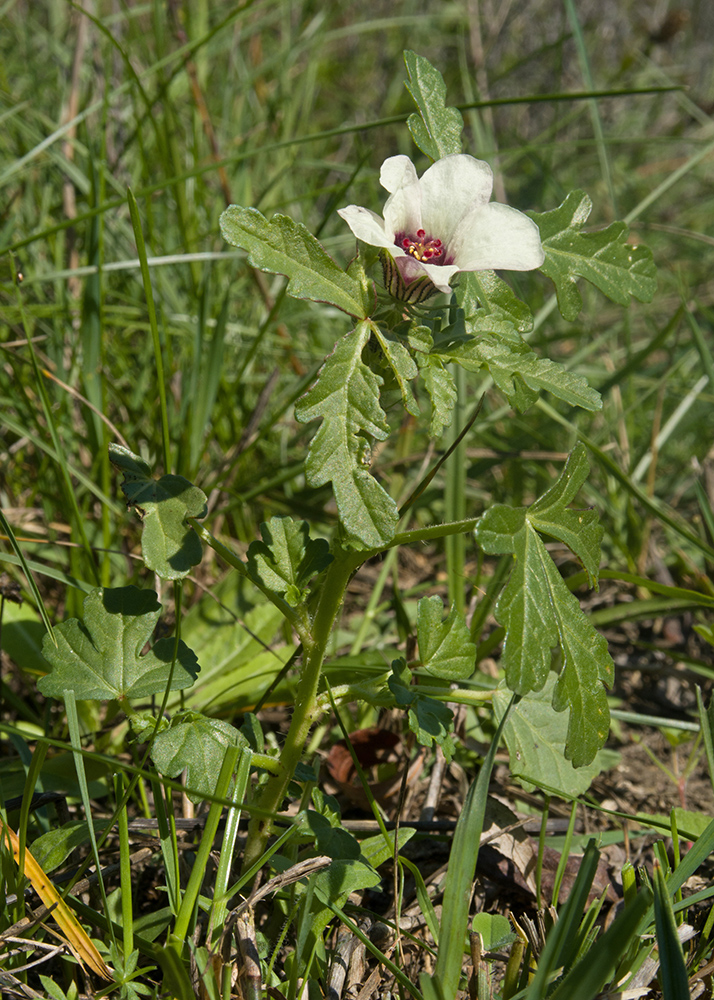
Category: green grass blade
[673,972]
[189,903]
[21,561]
[156,339]
[455,498]
[219,906]
[127,902]
[586,979]
[565,854]
[562,940]
[584,59]
[706,718]
[460,875]
[76,741]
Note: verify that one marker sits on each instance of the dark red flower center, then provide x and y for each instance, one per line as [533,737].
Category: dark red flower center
[426,249]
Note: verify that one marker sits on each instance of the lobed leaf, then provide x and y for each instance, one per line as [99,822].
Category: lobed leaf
[539,613]
[346,397]
[489,304]
[535,736]
[170,547]
[196,744]
[445,647]
[436,129]
[438,382]
[283,246]
[520,374]
[287,558]
[604,258]
[401,365]
[333,885]
[100,657]
[430,720]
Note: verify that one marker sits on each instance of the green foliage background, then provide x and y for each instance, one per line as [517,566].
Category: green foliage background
[290,108]
[295,109]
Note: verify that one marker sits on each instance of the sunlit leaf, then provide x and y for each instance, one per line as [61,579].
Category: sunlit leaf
[346,397]
[170,547]
[437,381]
[535,736]
[539,613]
[402,367]
[520,374]
[489,304]
[436,129]
[100,657]
[282,246]
[604,257]
[445,647]
[287,558]
[197,744]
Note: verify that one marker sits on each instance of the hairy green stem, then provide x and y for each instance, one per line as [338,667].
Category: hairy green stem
[306,706]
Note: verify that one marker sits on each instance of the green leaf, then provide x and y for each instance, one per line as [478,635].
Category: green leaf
[445,647]
[436,129]
[402,365]
[673,978]
[438,382]
[135,469]
[346,397]
[520,374]
[495,930]
[539,612]
[99,657]
[334,841]
[490,305]
[283,246]
[51,849]
[197,744]
[287,558]
[535,736]
[170,546]
[334,884]
[55,992]
[378,849]
[604,258]
[430,720]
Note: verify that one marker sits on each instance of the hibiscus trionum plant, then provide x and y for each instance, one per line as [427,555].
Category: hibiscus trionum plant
[439,234]
[423,301]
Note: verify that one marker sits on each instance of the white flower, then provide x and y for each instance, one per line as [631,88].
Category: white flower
[444,223]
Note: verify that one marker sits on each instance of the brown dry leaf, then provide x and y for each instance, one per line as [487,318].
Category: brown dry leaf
[372,747]
[76,936]
[515,846]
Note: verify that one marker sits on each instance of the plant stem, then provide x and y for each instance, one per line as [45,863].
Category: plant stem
[306,707]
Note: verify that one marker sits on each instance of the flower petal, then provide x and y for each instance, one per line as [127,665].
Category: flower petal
[410,269]
[449,188]
[397,172]
[493,237]
[402,210]
[367,226]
